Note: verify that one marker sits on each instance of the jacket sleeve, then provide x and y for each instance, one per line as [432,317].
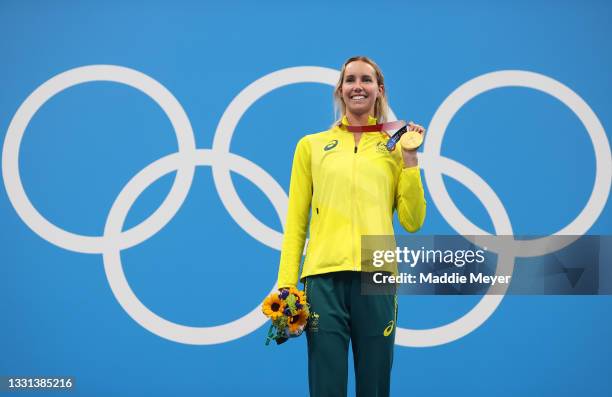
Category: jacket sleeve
[410,199]
[298,212]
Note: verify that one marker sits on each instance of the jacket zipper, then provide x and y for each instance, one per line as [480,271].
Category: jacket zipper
[354,206]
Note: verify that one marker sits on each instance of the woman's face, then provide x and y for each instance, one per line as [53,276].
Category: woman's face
[360,88]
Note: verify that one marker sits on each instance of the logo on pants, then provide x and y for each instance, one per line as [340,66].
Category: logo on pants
[389,328]
[313,322]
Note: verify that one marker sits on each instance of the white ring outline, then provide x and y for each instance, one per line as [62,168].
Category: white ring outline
[112,258]
[487,305]
[519,78]
[223,138]
[225,132]
[118,74]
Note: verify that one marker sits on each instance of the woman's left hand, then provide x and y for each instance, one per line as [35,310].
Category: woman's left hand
[410,156]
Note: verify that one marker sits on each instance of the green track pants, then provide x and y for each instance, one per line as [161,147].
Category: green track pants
[339,313]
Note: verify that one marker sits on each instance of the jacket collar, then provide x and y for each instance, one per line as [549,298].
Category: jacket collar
[371,120]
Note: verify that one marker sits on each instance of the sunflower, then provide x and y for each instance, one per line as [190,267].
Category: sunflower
[273,306]
[298,322]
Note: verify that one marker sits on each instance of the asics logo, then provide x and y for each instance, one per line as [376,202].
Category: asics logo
[331,145]
[389,329]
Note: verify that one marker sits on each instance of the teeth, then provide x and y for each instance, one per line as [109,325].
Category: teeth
[358,97]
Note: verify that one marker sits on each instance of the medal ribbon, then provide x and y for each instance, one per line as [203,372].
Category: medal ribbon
[401,125]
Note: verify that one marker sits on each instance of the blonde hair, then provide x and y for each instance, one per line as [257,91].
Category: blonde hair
[381,105]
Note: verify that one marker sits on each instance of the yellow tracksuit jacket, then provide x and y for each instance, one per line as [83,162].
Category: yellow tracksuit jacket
[347,192]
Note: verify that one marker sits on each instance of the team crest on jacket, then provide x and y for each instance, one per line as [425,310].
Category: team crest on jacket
[381,147]
[330,145]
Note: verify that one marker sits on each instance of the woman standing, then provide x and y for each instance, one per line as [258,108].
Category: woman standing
[348,184]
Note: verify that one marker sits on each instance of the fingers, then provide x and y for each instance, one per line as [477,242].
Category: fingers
[415,127]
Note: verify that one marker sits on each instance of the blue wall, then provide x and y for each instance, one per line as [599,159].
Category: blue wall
[203,269]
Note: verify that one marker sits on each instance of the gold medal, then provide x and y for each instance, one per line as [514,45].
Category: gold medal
[411,140]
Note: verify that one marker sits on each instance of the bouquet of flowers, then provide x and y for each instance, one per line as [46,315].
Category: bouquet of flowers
[289,311]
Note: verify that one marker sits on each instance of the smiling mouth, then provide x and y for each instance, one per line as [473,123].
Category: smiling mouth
[358,97]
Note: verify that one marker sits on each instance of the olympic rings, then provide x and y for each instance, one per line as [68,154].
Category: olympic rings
[222,162]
